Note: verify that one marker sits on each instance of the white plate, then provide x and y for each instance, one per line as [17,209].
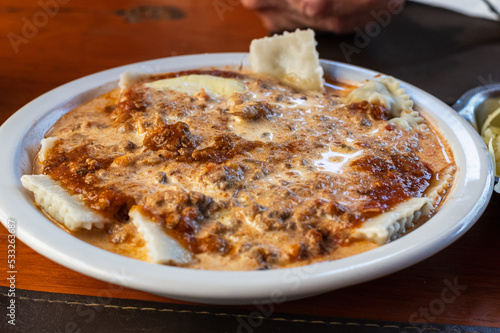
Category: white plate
[21,134]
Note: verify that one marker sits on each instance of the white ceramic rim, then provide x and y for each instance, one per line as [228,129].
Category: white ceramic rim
[463,207]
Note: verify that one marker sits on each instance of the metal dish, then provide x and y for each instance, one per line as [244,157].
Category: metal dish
[477,104]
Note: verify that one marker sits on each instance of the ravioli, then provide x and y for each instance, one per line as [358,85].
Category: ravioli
[235,170]
[255,175]
[292,58]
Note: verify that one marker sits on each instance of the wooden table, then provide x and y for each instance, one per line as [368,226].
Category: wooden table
[42,48]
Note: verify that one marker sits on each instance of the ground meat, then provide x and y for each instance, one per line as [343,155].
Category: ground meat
[132,102]
[266,178]
[254,110]
[169,137]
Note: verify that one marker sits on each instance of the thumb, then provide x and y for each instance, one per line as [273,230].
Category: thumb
[313,8]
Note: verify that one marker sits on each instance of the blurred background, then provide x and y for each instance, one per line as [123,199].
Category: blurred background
[49,42]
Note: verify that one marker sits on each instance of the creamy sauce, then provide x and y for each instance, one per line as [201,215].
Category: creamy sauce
[268,177]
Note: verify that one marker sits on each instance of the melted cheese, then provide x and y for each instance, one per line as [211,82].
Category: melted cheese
[256,176]
[215,87]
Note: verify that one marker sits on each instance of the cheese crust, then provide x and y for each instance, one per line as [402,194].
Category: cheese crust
[238,171]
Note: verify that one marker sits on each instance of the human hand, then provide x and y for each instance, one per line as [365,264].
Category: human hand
[338,16]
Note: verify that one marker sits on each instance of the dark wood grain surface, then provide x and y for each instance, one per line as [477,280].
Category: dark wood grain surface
[41,49]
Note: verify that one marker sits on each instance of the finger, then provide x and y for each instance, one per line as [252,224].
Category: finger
[314,8]
[338,8]
[344,24]
[263,4]
[277,21]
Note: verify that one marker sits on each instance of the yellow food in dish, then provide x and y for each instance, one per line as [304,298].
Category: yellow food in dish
[490,132]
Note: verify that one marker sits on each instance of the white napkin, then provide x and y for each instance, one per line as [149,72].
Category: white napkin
[476,8]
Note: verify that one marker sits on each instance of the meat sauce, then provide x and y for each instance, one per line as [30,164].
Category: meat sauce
[401,177]
[72,169]
[275,185]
